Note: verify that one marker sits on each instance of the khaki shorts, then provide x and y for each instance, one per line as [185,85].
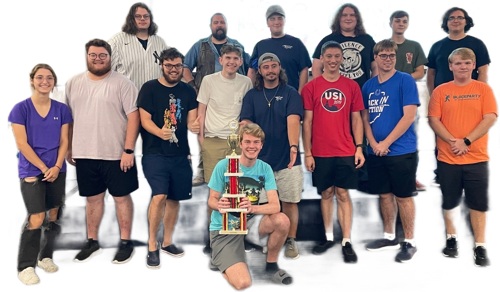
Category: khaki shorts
[212,151]
[290,184]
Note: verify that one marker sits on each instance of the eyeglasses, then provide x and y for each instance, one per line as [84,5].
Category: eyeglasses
[453,18]
[139,17]
[41,78]
[102,56]
[385,56]
[176,66]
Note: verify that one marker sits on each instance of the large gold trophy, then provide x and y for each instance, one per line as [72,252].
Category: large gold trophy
[234,219]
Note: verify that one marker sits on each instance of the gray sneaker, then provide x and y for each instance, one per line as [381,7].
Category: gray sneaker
[291,249]
[199,179]
[406,253]
[382,244]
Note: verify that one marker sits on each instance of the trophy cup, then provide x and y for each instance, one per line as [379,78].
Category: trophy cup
[234,219]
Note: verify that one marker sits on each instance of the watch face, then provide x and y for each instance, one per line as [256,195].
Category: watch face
[129,151]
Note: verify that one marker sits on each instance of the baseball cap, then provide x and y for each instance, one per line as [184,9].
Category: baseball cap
[274,9]
[268,57]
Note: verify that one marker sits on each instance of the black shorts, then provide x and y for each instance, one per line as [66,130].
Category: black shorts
[97,176]
[40,196]
[334,171]
[469,179]
[392,174]
[171,176]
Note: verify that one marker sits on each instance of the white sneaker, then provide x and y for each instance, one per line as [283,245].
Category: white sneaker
[28,276]
[47,264]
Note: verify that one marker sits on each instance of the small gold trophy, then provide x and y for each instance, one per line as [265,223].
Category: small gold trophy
[234,219]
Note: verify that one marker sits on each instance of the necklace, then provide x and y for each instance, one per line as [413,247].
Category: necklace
[270,100]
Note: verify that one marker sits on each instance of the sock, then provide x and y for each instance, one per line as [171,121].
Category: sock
[329,236]
[410,241]
[481,244]
[344,240]
[448,236]
[390,236]
[271,267]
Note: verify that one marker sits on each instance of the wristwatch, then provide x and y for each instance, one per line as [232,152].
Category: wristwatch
[467,141]
[129,151]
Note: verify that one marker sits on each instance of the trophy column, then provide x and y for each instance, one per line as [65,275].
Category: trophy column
[234,219]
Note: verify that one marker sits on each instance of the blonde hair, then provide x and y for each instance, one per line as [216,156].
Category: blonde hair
[252,129]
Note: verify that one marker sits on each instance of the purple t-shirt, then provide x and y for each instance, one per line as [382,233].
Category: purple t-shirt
[43,133]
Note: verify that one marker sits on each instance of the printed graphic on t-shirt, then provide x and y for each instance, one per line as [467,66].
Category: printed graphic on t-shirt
[252,188]
[351,66]
[377,101]
[333,100]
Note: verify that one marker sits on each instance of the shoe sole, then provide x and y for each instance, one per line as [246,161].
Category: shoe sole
[172,254]
[90,256]
[389,247]
[450,256]
[292,258]
[125,261]
[153,267]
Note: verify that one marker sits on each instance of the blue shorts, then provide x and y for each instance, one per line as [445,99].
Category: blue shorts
[334,171]
[469,179]
[168,175]
[392,174]
[96,176]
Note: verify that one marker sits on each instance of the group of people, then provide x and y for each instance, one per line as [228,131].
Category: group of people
[356,116]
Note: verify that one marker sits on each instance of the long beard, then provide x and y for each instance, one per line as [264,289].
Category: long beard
[219,36]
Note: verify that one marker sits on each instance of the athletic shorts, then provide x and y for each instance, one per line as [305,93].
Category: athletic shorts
[334,171]
[290,184]
[469,179]
[96,176]
[166,175]
[212,151]
[40,196]
[229,249]
[392,174]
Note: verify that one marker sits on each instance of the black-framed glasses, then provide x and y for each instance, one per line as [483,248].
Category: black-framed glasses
[139,17]
[102,56]
[385,56]
[176,66]
[453,18]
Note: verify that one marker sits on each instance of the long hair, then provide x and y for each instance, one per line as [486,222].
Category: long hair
[358,30]
[259,79]
[131,28]
[469,22]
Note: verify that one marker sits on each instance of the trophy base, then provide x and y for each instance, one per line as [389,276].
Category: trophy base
[233,232]
[229,210]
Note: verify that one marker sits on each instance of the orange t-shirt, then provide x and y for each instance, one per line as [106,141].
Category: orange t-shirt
[461,109]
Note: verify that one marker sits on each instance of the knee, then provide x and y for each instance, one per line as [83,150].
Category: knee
[343,196]
[282,222]
[35,221]
[327,194]
[242,283]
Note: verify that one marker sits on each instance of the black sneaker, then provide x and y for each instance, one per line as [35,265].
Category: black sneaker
[349,254]
[406,253]
[451,249]
[322,247]
[480,257]
[207,249]
[153,259]
[91,248]
[124,253]
[173,250]
[382,244]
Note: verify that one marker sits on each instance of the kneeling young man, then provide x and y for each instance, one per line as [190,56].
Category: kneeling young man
[265,221]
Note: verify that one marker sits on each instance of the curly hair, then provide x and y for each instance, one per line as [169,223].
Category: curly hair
[358,30]
[131,28]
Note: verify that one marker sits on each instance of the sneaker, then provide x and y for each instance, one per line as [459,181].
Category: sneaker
[153,259]
[47,264]
[291,249]
[451,249]
[124,253]
[207,249]
[349,254]
[435,181]
[173,250]
[90,249]
[249,247]
[382,244]
[322,247]
[480,257]
[406,253]
[419,186]
[199,179]
[28,276]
